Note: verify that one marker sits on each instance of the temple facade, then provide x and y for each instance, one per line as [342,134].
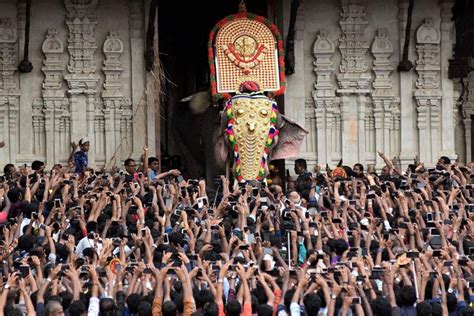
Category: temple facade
[347,91]
[89,80]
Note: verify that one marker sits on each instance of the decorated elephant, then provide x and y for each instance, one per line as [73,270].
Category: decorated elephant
[258,135]
[247,70]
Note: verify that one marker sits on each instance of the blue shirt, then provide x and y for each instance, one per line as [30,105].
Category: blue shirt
[80,161]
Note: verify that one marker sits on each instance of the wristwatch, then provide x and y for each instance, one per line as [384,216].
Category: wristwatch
[450,290]
[6,286]
[333,296]
[220,280]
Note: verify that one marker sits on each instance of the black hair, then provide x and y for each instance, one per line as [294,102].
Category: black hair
[233,308]
[407,295]
[423,309]
[133,300]
[107,306]
[169,308]
[77,308]
[152,160]
[339,246]
[445,160]
[312,303]
[381,306]
[128,161]
[265,310]
[144,308]
[301,162]
[36,165]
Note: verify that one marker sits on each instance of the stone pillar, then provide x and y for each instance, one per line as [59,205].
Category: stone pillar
[428,93]
[53,95]
[82,79]
[447,117]
[9,92]
[407,115]
[353,80]
[137,64]
[324,96]
[467,112]
[382,94]
[114,101]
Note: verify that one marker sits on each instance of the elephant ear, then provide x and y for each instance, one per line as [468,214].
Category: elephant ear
[290,138]
[199,102]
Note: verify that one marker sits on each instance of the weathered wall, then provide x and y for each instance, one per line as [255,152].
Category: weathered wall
[88,80]
[348,93]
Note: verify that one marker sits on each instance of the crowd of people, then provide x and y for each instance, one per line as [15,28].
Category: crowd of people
[140,241]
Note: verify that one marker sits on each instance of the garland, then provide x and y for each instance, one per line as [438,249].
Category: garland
[272,132]
[210,51]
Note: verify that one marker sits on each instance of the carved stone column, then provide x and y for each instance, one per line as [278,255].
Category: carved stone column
[427,94]
[353,80]
[53,96]
[114,101]
[9,93]
[324,96]
[467,112]
[82,79]
[136,27]
[447,117]
[382,95]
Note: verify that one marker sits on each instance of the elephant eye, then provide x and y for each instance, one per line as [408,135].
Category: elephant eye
[263,113]
[240,112]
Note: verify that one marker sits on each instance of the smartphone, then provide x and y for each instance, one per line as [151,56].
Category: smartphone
[180,179]
[337,221]
[34,215]
[434,231]
[166,239]
[413,254]
[403,225]
[433,275]
[254,191]
[428,203]
[463,261]
[429,217]
[143,230]
[57,202]
[448,263]
[24,270]
[42,226]
[356,300]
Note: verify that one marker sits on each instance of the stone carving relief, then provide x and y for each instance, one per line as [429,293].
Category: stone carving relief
[324,98]
[9,93]
[428,93]
[353,46]
[53,67]
[116,108]
[8,52]
[385,104]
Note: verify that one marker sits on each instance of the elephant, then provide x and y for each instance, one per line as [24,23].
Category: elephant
[210,147]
